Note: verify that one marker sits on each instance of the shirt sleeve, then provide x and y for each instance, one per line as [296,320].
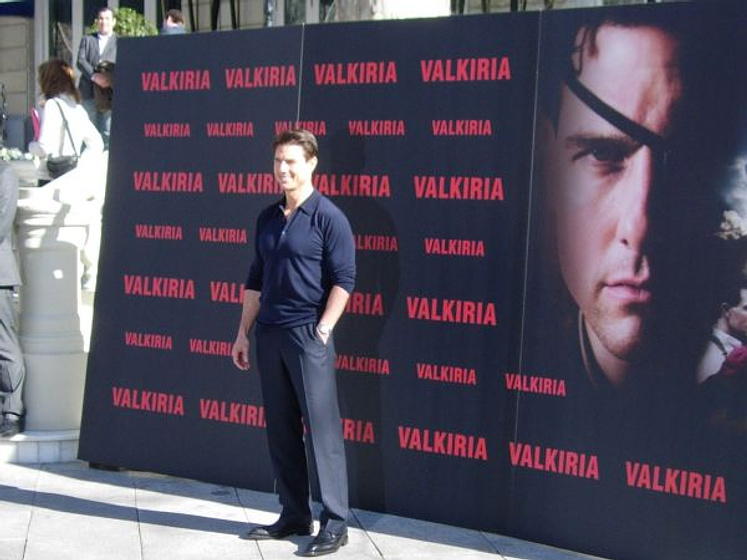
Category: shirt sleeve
[8,200]
[83,64]
[339,252]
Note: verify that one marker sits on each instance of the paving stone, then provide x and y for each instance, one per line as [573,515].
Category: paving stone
[515,549]
[399,537]
[70,511]
[12,549]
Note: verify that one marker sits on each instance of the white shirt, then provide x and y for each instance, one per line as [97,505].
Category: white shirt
[53,138]
[715,353]
[103,40]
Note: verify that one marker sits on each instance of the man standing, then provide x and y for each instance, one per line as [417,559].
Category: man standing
[12,370]
[94,49]
[299,282]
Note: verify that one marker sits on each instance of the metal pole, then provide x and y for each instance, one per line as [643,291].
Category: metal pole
[269,13]
[234,21]
[192,20]
[214,9]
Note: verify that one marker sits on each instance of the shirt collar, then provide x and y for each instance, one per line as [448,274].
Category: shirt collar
[729,341]
[308,206]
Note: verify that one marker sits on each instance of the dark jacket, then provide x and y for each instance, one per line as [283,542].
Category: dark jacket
[88,58]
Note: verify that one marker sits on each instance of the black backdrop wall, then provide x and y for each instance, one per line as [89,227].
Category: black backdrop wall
[460,399]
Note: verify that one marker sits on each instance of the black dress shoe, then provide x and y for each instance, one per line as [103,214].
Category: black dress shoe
[104,467]
[326,543]
[10,426]
[279,530]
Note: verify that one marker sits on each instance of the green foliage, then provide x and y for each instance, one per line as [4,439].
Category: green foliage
[129,24]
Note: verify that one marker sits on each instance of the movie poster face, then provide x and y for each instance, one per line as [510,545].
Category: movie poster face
[633,279]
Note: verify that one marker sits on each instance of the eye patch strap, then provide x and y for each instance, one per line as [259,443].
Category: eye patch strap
[613,116]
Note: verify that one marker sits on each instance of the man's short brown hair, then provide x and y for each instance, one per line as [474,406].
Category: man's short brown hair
[176,16]
[298,137]
[103,9]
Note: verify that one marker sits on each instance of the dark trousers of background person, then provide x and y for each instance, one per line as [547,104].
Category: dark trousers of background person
[12,370]
[299,381]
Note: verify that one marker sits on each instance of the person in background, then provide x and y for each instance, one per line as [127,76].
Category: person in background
[94,49]
[12,369]
[86,183]
[174,23]
[729,332]
[61,97]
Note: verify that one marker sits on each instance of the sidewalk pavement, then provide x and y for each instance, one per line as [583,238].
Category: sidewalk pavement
[65,511]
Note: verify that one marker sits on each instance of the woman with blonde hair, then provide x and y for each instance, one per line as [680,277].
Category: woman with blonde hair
[65,127]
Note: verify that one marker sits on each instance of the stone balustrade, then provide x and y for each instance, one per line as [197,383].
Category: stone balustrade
[54,224]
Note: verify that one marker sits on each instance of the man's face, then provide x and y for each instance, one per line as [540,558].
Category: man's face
[106,22]
[736,317]
[292,170]
[603,180]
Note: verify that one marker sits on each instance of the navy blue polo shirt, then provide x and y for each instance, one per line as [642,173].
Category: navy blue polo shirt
[297,261]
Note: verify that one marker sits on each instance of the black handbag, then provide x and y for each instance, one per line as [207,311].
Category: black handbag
[59,165]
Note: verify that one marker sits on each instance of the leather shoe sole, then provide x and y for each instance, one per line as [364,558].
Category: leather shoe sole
[325,544]
[271,532]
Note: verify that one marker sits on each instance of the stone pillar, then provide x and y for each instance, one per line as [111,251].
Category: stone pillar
[50,234]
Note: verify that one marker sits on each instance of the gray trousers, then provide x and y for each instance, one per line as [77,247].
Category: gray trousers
[12,370]
[299,383]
